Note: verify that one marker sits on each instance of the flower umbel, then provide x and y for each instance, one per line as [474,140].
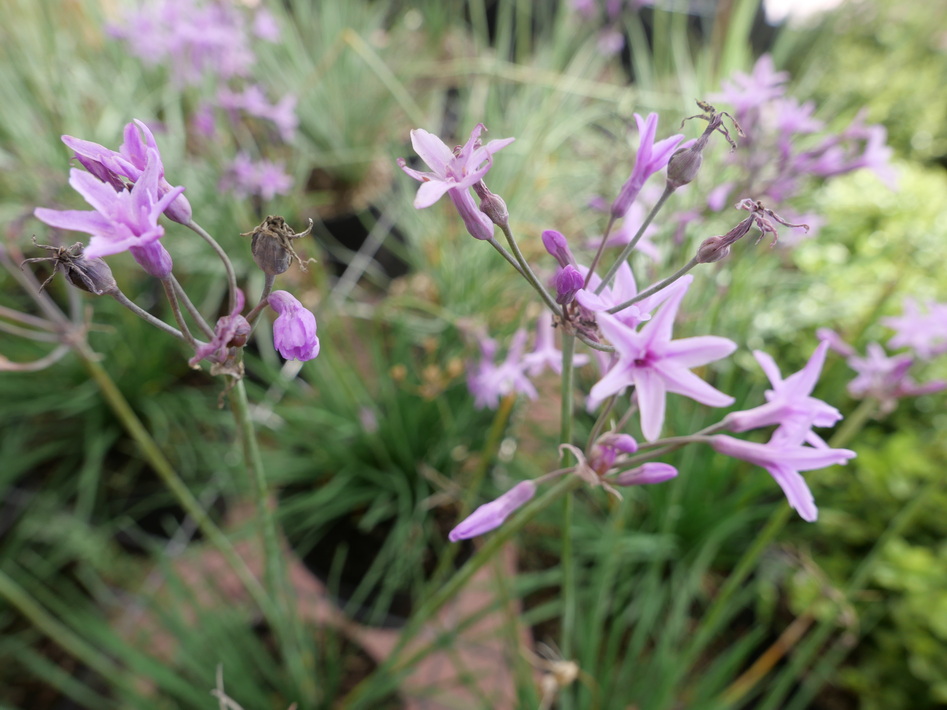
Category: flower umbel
[122,221]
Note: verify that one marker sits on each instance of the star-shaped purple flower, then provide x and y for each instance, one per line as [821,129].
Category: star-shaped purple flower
[651,158]
[454,173]
[121,221]
[655,365]
[129,162]
[784,456]
[789,398]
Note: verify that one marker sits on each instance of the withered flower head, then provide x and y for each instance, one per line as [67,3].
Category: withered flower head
[92,275]
[272,245]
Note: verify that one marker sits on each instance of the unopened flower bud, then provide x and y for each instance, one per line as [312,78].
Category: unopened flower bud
[490,516]
[558,247]
[154,259]
[567,282]
[271,244]
[492,205]
[479,225]
[650,472]
[91,275]
[683,166]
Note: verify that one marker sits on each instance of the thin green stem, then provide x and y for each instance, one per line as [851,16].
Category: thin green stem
[191,308]
[156,459]
[264,294]
[569,597]
[657,287]
[601,248]
[528,272]
[176,310]
[275,578]
[228,265]
[626,252]
[506,255]
[146,316]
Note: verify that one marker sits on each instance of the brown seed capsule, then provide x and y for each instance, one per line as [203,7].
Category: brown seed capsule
[272,245]
[92,275]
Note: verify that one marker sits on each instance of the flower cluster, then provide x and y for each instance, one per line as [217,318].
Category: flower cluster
[629,331]
[212,41]
[884,378]
[128,192]
[786,145]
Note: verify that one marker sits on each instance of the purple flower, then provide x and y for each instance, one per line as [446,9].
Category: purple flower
[784,456]
[454,173]
[651,158]
[488,381]
[246,177]
[885,378]
[558,247]
[254,102]
[231,331]
[655,365]
[646,474]
[129,162]
[294,330]
[198,40]
[121,221]
[746,92]
[567,282]
[609,453]
[492,515]
[924,333]
[789,399]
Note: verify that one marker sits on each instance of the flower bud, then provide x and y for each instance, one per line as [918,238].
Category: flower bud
[154,259]
[650,472]
[492,205]
[492,515]
[567,282]
[271,244]
[558,247]
[683,166]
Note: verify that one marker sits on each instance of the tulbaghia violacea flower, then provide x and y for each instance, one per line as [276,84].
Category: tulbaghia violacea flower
[924,333]
[129,162]
[886,378]
[488,381]
[294,330]
[454,173]
[789,398]
[651,158]
[231,331]
[656,365]
[121,221]
[246,177]
[784,456]
[492,515]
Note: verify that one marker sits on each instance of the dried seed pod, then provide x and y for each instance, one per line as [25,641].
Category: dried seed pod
[92,275]
[272,245]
